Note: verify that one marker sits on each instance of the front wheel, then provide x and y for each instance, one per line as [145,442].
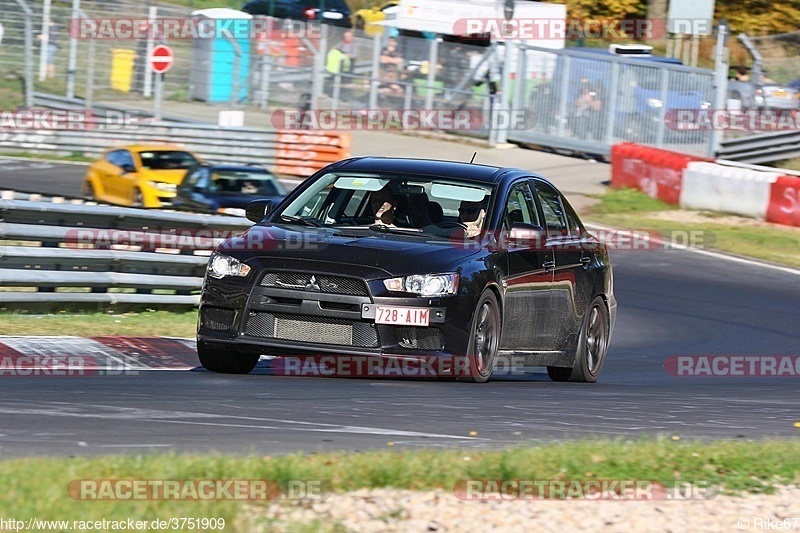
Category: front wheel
[87,191]
[592,347]
[484,339]
[225,360]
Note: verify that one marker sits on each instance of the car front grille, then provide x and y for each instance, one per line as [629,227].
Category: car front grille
[323,283]
[419,338]
[217,319]
[312,329]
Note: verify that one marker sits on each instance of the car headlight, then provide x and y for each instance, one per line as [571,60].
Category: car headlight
[655,103]
[232,211]
[426,285]
[166,187]
[220,266]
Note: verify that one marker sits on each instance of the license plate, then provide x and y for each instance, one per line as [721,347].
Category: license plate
[332,15]
[403,316]
[780,94]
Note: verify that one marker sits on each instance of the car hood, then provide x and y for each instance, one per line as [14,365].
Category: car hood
[368,254]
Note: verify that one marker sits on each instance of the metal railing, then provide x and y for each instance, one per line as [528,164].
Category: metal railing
[762,148]
[56,254]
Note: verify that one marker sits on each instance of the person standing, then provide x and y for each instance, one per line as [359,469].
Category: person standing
[52,49]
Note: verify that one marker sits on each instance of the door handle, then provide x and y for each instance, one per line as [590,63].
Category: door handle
[549,264]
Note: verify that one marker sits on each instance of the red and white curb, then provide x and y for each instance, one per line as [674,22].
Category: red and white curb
[70,355]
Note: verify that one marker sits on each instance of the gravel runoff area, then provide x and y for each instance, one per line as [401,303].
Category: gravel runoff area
[411,511]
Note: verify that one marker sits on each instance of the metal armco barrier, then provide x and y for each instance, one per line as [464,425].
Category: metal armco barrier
[55,253]
[763,148]
[290,153]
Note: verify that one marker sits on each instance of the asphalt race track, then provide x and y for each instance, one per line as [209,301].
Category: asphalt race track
[39,176]
[671,302]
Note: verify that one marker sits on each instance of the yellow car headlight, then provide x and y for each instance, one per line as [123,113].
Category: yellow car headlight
[161,186]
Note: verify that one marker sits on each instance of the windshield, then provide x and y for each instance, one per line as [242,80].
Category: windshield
[390,202]
[245,182]
[167,160]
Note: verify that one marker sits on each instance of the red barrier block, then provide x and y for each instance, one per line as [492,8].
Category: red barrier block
[657,173]
[784,201]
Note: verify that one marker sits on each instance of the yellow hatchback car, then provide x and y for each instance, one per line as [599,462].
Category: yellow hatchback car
[138,176]
[365,19]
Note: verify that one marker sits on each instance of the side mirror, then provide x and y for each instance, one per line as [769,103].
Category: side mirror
[257,210]
[127,169]
[526,236]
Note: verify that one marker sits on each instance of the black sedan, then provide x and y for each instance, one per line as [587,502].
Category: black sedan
[226,189]
[413,260]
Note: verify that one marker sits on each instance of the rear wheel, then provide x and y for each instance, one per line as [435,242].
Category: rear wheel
[484,340]
[225,360]
[592,347]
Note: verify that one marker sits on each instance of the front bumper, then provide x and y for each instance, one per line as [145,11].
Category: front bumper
[280,321]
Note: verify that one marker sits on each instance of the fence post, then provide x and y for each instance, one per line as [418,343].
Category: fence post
[28,52]
[376,68]
[433,63]
[45,40]
[720,83]
[611,109]
[505,95]
[320,72]
[266,73]
[147,89]
[663,94]
[563,97]
[73,53]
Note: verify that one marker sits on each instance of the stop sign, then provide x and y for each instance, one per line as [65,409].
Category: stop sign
[161,59]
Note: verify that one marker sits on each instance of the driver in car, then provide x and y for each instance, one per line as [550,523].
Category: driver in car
[472,214]
[383,205]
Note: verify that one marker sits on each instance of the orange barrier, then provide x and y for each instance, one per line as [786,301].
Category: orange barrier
[784,201]
[302,154]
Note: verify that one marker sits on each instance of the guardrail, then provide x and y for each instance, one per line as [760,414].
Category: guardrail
[56,254]
[290,153]
[763,148]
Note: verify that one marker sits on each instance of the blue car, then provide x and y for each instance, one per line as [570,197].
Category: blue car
[333,12]
[226,189]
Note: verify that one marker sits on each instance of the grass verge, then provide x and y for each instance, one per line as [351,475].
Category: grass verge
[631,209]
[731,466]
[149,323]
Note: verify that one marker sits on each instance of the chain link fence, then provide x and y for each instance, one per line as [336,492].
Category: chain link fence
[571,98]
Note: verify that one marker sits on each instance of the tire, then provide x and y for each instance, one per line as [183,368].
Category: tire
[87,191]
[484,339]
[138,201]
[592,347]
[225,360]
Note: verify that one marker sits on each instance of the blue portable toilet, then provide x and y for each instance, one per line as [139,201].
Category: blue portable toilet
[216,69]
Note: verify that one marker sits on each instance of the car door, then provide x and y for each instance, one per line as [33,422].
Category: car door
[108,170]
[192,190]
[128,178]
[572,283]
[527,320]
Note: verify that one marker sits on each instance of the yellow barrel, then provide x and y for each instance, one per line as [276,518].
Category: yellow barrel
[122,69]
